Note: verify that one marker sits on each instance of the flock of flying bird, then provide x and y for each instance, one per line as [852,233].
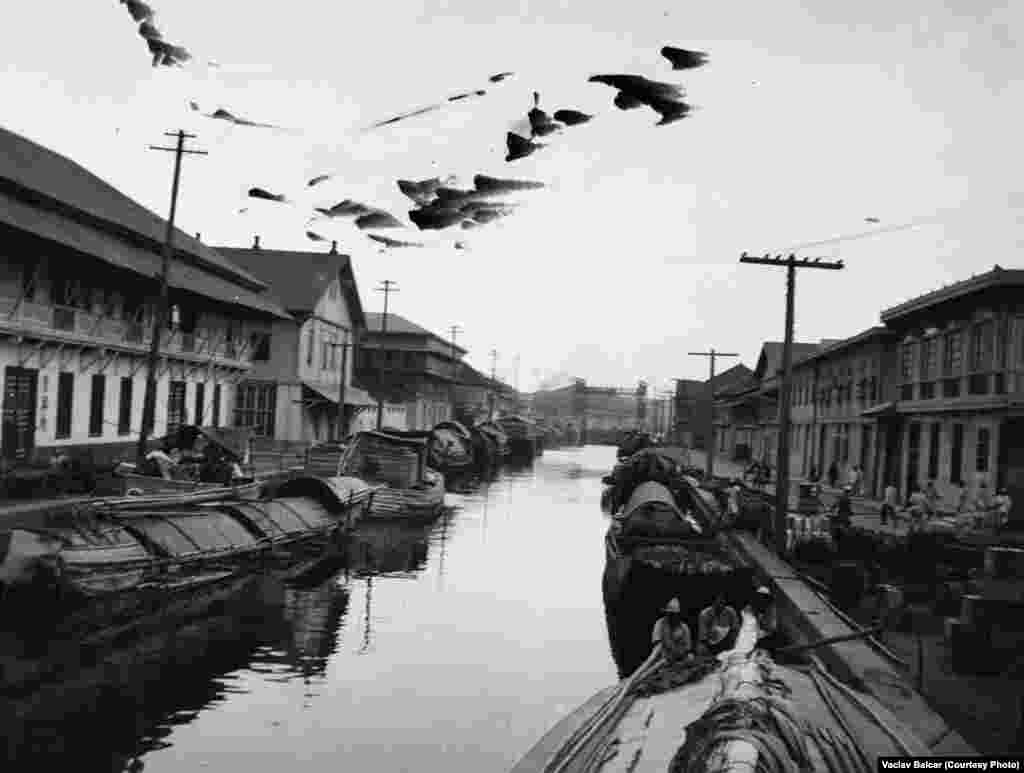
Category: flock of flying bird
[439,205]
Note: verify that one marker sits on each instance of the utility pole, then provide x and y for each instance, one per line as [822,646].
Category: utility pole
[791,263]
[494,365]
[712,355]
[344,346]
[160,313]
[387,287]
[454,330]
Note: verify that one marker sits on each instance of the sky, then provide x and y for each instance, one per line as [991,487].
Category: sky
[809,118]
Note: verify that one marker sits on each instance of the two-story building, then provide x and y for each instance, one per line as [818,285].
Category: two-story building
[958,416]
[300,388]
[834,391]
[746,410]
[408,364]
[79,285]
[477,396]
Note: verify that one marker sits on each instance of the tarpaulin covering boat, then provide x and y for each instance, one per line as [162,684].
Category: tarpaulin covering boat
[412,489]
[450,448]
[736,712]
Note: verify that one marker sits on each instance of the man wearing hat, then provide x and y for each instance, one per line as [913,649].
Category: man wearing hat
[715,625]
[673,634]
[767,619]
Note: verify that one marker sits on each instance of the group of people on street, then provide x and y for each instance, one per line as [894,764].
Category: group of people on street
[717,627]
[925,503]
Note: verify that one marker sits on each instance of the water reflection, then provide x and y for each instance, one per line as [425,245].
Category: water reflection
[450,645]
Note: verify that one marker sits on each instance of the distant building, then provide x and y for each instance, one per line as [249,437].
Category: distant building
[693,404]
[294,393]
[410,365]
[478,396]
[77,299]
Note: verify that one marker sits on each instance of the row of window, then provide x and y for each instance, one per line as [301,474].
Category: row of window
[989,347]
[982,450]
[176,409]
[864,390]
[255,408]
[332,351]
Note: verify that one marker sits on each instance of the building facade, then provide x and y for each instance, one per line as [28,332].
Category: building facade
[958,414]
[301,388]
[834,392]
[77,300]
[406,364]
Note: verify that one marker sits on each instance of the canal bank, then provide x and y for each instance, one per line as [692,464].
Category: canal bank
[458,644]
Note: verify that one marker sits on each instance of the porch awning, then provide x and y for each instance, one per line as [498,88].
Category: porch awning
[358,397]
[320,393]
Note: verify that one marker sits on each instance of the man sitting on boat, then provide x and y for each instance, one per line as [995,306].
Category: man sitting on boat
[673,634]
[163,461]
[769,634]
[715,626]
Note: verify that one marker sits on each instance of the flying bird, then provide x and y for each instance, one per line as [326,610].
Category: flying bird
[315,237]
[318,179]
[683,59]
[520,147]
[460,245]
[468,224]
[149,32]
[495,185]
[139,10]
[194,106]
[404,116]
[422,191]
[166,54]
[389,242]
[346,208]
[499,77]
[541,124]
[259,193]
[635,90]
[625,101]
[378,219]
[872,220]
[221,114]
[670,111]
[572,117]
[467,95]
[435,218]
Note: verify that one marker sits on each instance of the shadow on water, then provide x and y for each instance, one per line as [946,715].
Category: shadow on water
[423,611]
[101,703]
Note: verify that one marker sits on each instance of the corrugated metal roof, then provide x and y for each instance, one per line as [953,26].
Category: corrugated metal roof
[399,324]
[997,276]
[42,170]
[299,278]
[90,241]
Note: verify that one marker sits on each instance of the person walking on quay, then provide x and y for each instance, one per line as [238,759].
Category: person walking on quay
[673,634]
[715,625]
[918,505]
[1002,504]
[833,475]
[842,516]
[855,480]
[890,503]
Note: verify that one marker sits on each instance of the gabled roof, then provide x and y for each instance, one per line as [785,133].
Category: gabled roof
[727,379]
[401,326]
[997,277]
[769,363]
[831,347]
[27,168]
[300,278]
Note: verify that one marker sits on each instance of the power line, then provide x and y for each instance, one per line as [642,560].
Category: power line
[160,317]
[791,263]
[387,287]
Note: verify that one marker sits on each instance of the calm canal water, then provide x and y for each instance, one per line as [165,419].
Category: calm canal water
[449,647]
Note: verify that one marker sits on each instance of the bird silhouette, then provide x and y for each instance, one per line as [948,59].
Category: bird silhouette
[496,185]
[346,208]
[670,111]
[572,117]
[221,114]
[467,95]
[435,218]
[139,10]
[260,193]
[541,124]
[636,90]
[149,32]
[625,101]
[422,191]
[166,54]
[389,242]
[378,219]
[872,220]
[520,147]
[499,77]
[682,59]
[460,245]
[315,237]
[318,179]
[404,116]
[468,224]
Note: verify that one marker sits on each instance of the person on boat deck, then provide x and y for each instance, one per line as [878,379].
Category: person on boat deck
[715,625]
[767,619]
[165,459]
[673,634]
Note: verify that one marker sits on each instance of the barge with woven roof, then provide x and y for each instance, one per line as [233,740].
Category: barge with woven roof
[399,464]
